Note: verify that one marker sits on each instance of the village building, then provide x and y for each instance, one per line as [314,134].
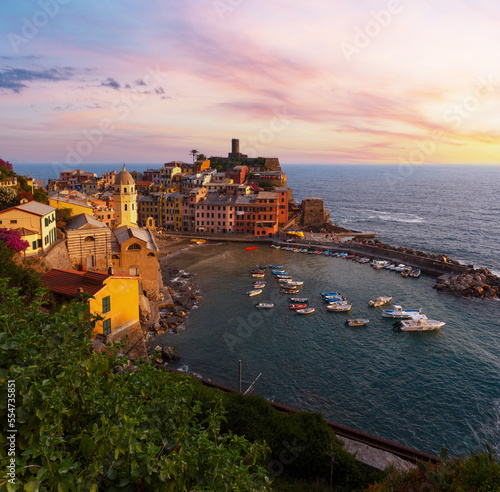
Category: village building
[36,223]
[216,214]
[115,297]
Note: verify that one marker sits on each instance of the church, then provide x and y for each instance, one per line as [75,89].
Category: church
[125,248]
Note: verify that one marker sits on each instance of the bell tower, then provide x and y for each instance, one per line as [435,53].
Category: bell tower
[125,199]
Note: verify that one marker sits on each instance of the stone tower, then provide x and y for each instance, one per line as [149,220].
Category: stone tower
[125,198]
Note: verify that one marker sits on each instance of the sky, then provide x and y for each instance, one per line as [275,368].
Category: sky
[317,81]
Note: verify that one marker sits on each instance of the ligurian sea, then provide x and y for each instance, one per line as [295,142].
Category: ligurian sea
[424,390]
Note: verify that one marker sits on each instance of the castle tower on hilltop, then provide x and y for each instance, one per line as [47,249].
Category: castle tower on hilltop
[125,198]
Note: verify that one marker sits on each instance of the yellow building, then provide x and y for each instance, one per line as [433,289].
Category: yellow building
[76,206]
[38,219]
[115,297]
[125,199]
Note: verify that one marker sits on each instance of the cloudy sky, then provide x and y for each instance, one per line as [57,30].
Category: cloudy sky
[316,81]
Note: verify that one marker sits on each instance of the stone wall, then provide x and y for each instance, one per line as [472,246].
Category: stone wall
[58,256]
[273,164]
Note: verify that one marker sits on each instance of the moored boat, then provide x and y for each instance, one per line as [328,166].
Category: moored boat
[306,311]
[399,312]
[357,322]
[405,271]
[295,282]
[257,275]
[420,324]
[379,301]
[254,292]
[329,294]
[277,267]
[415,273]
[299,299]
[297,306]
[264,305]
[259,285]
[339,307]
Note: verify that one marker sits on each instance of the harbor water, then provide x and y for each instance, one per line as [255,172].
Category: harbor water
[424,390]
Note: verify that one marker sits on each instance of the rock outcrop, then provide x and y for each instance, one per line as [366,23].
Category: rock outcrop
[474,283]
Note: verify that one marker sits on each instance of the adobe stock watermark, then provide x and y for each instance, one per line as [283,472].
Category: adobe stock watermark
[287,456]
[363,37]
[456,115]
[258,142]
[222,7]
[31,27]
[122,108]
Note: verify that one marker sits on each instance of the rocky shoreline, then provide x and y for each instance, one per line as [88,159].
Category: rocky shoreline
[474,283]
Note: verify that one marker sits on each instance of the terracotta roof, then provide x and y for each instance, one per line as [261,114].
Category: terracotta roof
[68,282]
[26,232]
[32,207]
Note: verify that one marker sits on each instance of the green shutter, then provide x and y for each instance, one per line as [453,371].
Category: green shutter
[106,304]
[106,326]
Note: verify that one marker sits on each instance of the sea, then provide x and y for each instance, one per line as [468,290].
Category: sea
[425,390]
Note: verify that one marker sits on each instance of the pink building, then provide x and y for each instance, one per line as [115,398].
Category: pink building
[216,214]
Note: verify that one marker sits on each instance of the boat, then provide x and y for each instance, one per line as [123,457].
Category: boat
[251,248]
[379,264]
[259,285]
[299,299]
[357,322]
[264,305]
[262,267]
[339,307]
[405,271]
[421,324]
[379,301]
[333,298]
[258,275]
[257,270]
[254,292]
[415,273]
[399,268]
[198,241]
[290,291]
[338,302]
[284,280]
[306,310]
[399,312]
[297,306]
[277,267]
[329,294]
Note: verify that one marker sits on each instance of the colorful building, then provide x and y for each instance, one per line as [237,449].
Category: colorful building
[37,218]
[115,296]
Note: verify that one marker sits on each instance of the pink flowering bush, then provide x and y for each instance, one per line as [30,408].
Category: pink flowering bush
[5,166]
[13,240]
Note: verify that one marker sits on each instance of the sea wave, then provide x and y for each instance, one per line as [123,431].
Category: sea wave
[368,215]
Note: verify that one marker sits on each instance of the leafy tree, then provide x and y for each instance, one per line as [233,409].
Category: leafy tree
[201,157]
[40,195]
[85,423]
[25,195]
[25,279]
[63,214]
[7,196]
[5,169]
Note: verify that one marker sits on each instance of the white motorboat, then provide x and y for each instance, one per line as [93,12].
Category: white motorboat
[399,312]
[264,305]
[254,292]
[259,285]
[295,282]
[379,264]
[379,301]
[421,324]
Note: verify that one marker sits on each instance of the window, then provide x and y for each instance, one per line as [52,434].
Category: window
[106,326]
[151,254]
[133,270]
[134,246]
[39,243]
[15,221]
[34,245]
[106,304]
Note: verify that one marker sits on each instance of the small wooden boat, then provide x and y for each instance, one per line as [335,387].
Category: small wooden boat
[264,305]
[415,273]
[259,285]
[406,271]
[262,267]
[254,292]
[257,275]
[257,270]
[334,298]
[306,311]
[290,291]
[328,294]
[297,306]
[296,282]
[399,312]
[379,301]
[251,248]
[198,241]
[339,307]
[277,267]
[357,322]
[299,299]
